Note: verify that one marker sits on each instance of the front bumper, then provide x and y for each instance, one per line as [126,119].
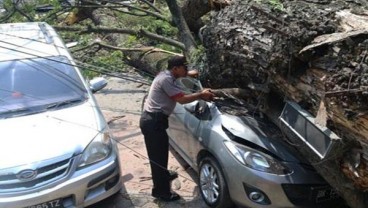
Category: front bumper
[80,187]
[278,189]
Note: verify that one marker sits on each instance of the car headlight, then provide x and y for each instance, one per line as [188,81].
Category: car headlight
[255,159]
[97,150]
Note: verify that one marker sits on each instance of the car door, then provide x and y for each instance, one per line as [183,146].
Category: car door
[183,126]
[200,122]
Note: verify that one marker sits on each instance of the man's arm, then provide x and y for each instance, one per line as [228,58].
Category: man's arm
[206,95]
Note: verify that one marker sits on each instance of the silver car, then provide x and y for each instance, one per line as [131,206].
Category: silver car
[55,147]
[241,157]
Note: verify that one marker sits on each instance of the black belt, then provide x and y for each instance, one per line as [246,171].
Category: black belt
[157,114]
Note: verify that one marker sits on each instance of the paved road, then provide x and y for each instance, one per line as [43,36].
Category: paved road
[120,102]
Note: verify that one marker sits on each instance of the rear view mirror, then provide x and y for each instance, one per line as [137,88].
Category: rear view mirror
[97,84]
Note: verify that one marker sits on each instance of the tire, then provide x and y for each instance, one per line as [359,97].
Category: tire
[212,184]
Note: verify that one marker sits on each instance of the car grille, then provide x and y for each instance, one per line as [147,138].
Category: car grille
[308,195]
[45,175]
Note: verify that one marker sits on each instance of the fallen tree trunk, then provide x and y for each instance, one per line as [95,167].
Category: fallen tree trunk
[314,53]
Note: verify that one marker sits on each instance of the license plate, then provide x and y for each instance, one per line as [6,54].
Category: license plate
[324,194]
[50,204]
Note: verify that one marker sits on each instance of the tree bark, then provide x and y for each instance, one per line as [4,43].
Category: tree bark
[194,10]
[184,35]
[313,53]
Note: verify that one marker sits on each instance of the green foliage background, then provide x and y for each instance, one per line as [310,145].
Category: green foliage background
[102,59]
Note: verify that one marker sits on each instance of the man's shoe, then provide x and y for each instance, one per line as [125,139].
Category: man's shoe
[172,175]
[167,197]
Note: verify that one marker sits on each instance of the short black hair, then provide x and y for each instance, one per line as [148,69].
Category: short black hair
[177,61]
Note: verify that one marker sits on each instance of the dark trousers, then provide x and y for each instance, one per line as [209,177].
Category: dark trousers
[153,127]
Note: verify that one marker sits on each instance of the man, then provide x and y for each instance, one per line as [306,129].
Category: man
[160,102]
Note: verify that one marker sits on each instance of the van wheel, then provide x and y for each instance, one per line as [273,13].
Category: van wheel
[212,184]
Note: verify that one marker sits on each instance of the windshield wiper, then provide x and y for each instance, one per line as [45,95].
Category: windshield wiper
[64,103]
[16,112]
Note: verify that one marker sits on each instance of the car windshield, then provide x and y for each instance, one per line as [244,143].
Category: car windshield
[189,85]
[34,85]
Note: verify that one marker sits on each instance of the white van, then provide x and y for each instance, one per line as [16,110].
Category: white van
[55,146]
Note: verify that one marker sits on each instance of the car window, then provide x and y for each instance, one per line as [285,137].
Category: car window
[189,85]
[38,82]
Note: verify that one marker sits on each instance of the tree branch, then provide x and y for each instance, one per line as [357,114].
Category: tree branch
[15,4]
[185,34]
[103,30]
[7,17]
[124,5]
[162,39]
[151,5]
[144,49]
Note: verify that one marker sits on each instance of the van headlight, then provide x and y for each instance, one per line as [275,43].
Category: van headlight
[256,159]
[97,150]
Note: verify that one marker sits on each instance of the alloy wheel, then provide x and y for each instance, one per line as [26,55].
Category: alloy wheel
[209,183]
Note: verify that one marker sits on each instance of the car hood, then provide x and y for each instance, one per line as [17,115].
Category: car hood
[252,132]
[65,132]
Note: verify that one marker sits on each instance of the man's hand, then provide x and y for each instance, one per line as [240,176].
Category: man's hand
[207,95]
[193,73]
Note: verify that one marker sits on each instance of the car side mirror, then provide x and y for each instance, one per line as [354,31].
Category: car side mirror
[202,110]
[97,84]
[199,109]
[191,107]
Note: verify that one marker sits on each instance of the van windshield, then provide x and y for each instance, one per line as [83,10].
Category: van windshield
[33,85]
